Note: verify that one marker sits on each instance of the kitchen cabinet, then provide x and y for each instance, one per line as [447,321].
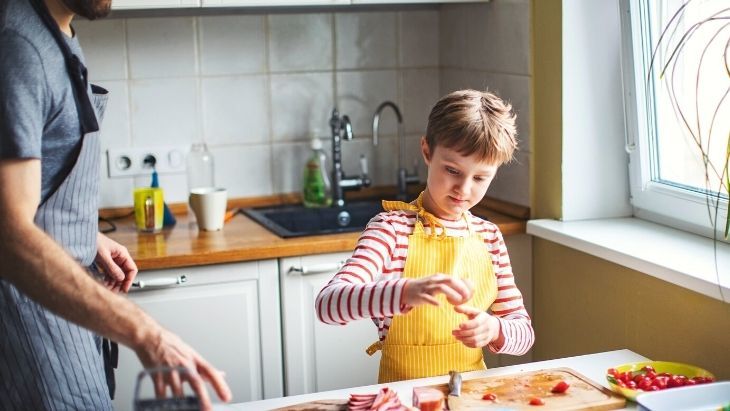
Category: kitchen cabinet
[271,3]
[153,4]
[163,4]
[229,313]
[318,356]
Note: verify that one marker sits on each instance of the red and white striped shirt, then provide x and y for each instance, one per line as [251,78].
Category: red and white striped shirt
[369,285]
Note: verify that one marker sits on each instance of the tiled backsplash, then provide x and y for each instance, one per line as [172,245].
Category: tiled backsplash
[254,87]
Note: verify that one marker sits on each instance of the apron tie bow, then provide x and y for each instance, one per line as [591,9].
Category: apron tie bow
[421,212]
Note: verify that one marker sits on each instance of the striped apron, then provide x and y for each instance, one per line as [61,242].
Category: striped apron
[420,344]
[47,362]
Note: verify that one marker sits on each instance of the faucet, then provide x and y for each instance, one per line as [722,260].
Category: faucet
[342,129]
[404,177]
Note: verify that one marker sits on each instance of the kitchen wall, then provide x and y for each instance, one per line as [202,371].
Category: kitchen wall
[487,46]
[254,87]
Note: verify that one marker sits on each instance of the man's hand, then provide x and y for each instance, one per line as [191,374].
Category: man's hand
[167,350]
[424,290]
[116,263]
[479,330]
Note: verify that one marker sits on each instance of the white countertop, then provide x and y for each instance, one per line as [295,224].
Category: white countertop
[593,366]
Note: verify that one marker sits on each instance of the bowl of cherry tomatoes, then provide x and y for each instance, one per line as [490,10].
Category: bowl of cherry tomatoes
[636,378]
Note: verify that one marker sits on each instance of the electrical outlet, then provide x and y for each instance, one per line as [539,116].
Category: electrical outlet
[139,161]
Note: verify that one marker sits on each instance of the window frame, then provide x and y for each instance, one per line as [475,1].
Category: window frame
[651,200]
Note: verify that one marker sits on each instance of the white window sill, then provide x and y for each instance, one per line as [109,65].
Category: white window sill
[675,256]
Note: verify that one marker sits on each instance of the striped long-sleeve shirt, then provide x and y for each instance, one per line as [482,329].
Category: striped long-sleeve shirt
[370,284]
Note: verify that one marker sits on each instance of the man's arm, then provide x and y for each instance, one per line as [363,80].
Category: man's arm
[41,269]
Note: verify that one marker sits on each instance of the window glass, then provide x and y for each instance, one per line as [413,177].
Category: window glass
[677,84]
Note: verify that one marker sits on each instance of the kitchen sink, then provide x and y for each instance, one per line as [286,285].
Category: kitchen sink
[296,220]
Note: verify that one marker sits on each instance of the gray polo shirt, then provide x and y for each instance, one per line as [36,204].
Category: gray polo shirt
[38,116]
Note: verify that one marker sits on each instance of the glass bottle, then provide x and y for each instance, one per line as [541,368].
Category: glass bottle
[200,167]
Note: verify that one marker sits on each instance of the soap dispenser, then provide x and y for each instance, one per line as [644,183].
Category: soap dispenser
[317,190]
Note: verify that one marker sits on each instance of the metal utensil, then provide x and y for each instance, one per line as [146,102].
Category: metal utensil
[454,398]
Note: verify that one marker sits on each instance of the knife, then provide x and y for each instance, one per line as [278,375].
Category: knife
[454,399]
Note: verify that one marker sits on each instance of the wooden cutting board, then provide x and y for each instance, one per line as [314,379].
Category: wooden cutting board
[515,390]
[321,405]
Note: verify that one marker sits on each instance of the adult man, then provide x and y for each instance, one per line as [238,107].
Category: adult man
[49,165]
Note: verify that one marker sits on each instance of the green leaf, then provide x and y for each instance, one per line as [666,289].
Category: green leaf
[612,379]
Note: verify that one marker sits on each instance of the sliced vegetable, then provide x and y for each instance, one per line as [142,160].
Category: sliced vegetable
[489,396]
[560,387]
[536,401]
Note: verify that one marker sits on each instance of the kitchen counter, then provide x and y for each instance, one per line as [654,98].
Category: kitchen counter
[242,239]
[593,366]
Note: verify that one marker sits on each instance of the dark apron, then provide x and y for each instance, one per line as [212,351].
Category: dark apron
[47,362]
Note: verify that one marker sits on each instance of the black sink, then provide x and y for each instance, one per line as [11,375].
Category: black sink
[296,220]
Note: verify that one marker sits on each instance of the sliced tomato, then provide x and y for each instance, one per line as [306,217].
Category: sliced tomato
[489,396]
[560,387]
[536,401]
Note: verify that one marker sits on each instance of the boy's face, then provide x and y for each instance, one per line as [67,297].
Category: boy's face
[455,183]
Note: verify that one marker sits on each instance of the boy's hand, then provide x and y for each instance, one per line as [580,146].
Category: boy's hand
[479,330]
[424,290]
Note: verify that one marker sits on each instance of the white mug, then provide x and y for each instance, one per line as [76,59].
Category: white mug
[209,206]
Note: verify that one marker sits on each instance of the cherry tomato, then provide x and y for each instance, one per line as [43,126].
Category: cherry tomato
[612,371]
[536,401]
[489,396]
[647,368]
[560,387]
[674,381]
[631,385]
[651,374]
[644,384]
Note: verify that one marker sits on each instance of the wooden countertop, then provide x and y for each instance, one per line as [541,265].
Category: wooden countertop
[242,239]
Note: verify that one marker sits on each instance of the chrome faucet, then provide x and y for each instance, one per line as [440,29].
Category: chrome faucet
[342,129]
[404,177]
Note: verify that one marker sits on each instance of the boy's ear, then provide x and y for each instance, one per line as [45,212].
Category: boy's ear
[425,151]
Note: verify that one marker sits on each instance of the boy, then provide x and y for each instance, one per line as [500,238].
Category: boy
[428,271]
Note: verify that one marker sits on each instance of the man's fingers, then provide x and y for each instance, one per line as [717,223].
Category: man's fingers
[158,380]
[215,378]
[175,383]
[199,387]
[110,268]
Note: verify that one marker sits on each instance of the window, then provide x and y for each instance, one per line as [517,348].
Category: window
[677,95]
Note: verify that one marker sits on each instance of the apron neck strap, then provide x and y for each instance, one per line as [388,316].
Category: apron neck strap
[75,68]
[421,214]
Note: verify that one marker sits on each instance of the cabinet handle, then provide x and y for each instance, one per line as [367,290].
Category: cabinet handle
[160,282]
[316,268]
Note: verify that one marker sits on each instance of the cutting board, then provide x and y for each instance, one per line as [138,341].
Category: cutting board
[515,390]
[321,405]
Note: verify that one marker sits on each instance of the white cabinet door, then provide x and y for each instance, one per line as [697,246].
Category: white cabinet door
[153,4]
[229,313]
[272,3]
[318,356]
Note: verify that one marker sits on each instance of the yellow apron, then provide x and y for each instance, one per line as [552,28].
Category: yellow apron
[419,343]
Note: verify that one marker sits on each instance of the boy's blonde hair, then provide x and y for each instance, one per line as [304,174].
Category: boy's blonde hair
[473,122]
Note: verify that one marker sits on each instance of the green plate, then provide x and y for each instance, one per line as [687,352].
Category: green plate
[674,368]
